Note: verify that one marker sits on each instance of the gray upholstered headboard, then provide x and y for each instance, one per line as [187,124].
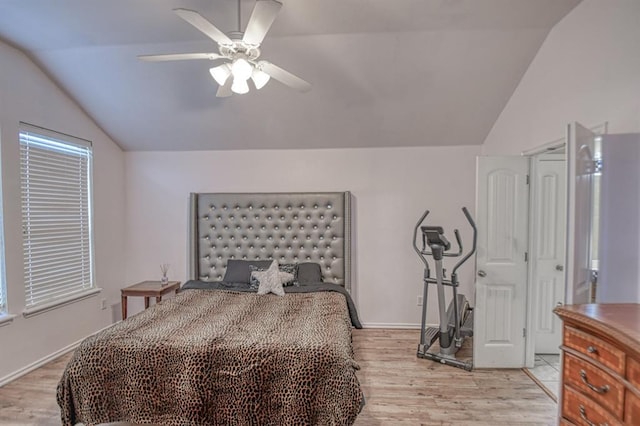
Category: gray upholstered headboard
[289,227]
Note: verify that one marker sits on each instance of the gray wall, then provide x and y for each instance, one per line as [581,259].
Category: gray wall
[619,253]
[27,94]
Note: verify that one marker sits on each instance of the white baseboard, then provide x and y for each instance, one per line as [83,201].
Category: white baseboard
[392,325]
[42,361]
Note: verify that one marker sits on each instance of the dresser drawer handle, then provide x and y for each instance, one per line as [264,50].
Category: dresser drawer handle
[583,414]
[601,389]
[592,350]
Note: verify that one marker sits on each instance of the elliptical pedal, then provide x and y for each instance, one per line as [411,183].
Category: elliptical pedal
[431,335]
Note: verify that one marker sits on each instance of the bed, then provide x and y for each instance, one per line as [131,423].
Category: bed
[219,353]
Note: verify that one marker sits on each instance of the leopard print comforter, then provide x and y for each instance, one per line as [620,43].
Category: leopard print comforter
[219,358]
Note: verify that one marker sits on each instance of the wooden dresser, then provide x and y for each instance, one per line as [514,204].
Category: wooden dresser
[600,364]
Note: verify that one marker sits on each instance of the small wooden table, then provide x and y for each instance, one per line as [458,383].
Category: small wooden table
[147,289]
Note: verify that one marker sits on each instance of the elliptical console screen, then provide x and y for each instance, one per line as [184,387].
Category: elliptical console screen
[434,235]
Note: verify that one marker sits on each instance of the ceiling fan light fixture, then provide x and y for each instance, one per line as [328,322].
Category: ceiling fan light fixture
[260,78]
[220,73]
[241,69]
[239,86]
[239,49]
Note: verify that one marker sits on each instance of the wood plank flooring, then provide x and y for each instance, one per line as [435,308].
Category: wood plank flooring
[31,400]
[400,390]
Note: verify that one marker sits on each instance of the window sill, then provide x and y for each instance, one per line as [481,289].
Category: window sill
[36,310]
[6,319]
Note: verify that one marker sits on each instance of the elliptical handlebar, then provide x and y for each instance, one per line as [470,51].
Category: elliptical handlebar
[459,241]
[473,246]
[421,253]
[415,236]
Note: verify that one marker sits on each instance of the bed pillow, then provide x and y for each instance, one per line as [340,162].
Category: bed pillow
[271,279]
[238,270]
[291,268]
[308,273]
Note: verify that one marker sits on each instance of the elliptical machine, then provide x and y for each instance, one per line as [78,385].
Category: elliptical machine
[456,321]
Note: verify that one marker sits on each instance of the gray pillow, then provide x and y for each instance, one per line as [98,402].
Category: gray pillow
[238,270]
[291,268]
[308,273]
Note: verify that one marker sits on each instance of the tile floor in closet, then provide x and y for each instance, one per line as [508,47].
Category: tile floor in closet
[547,370]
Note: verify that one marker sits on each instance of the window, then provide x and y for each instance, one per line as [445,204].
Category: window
[55,178]
[3,289]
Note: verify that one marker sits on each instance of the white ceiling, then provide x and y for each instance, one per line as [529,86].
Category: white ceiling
[384,72]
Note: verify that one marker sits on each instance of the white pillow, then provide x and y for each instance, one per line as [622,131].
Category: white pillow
[272,279]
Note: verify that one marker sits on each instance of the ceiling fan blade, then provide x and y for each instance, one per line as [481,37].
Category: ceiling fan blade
[180,57]
[195,19]
[263,15]
[284,77]
[225,90]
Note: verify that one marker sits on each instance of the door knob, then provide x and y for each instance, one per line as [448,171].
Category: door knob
[482,273]
[559,268]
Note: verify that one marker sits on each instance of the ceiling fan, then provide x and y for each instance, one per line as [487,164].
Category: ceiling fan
[241,50]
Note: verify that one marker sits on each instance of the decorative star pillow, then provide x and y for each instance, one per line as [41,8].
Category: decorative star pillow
[272,279]
[292,268]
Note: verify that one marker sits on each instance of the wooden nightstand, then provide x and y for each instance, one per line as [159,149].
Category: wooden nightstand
[147,289]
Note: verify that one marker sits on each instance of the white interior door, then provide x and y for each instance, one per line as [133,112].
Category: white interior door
[501,281]
[581,167]
[547,257]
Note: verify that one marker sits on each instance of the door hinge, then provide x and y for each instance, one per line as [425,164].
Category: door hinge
[524,332]
[527,179]
[526,256]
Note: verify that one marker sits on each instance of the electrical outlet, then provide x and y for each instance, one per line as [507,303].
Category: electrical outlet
[419,300]
[103,304]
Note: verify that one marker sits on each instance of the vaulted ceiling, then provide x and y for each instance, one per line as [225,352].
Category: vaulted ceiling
[384,72]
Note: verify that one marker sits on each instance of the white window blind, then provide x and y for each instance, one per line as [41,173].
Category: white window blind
[3,290]
[55,177]
[3,304]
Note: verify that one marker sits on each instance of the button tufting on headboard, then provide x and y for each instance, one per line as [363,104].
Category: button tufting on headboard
[290,227]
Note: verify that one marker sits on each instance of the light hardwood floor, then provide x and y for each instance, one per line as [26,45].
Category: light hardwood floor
[400,390]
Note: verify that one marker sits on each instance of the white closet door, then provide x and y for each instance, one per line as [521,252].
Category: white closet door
[501,286]
[548,257]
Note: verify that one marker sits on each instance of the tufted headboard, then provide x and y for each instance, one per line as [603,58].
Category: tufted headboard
[290,227]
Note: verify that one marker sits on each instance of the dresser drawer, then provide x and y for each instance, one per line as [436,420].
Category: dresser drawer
[582,410]
[595,348]
[594,382]
[633,372]
[632,409]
